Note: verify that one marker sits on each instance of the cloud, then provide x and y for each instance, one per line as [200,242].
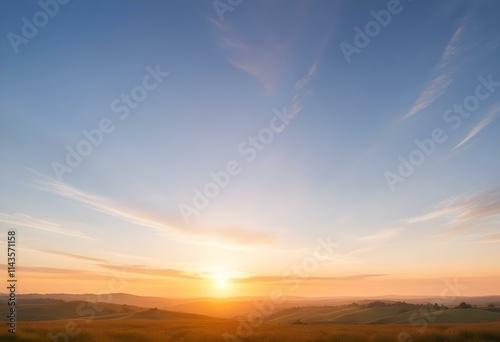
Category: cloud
[237,236]
[489,117]
[24,220]
[63,273]
[74,256]
[452,48]
[384,234]
[442,76]
[157,272]
[263,60]
[429,216]
[492,238]
[295,106]
[35,273]
[266,57]
[304,81]
[469,231]
[100,203]
[230,237]
[338,259]
[132,257]
[52,270]
[279,279]
[464,207]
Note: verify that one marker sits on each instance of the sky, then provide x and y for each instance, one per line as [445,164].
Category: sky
[235,148]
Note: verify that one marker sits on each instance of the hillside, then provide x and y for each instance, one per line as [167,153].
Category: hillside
[60,310]
[212,331]
[114,298]
[394,314]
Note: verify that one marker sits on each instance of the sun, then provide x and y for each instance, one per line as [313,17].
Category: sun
[221,282]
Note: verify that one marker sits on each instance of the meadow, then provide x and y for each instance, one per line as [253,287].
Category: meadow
[212,330]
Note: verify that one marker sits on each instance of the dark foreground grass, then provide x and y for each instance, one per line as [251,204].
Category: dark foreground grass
[208,331]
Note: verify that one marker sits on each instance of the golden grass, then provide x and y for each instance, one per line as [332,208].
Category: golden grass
[212,330]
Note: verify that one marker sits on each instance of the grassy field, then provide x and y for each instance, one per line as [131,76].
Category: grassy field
[81,321]
[382,315]
[207,331]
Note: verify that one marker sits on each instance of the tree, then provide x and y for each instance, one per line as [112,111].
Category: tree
[463,305]
[491,305]
[376,304]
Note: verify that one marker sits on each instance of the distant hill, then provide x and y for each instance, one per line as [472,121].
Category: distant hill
[235,306]
[59,310]
[393,314]
[114,298]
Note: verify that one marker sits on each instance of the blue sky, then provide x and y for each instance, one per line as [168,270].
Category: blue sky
[325,173]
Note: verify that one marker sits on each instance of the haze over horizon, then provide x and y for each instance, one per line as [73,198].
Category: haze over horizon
[174,150]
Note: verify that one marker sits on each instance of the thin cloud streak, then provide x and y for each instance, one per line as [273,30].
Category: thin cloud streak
[223,237]
[98,203]
[492,238]
[172,273]
[443,78]
[279,279]
[72,255]
[263,61]
[304,81]
[451,49]
[481,125]
[384,234]
[157,272]
[464,207]
[25,220]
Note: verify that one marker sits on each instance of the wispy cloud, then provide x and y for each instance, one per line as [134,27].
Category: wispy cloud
[489,117]
[431,215]
[145,272]
[235,236]
[157,272]
[304,81]
[467,206]
[99,203]
[442,75]
[231,237]
[384,234]
[46,271]
[74,256]
[24,220]
[478,231]
[264,59]
[279,279]
[342,259]
[452,48]
[300,85]
[492,238]
[122,256]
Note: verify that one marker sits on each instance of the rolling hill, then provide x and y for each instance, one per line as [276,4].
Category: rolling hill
[60,310]
[394,314]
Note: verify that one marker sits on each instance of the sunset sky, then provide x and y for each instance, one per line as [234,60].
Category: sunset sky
[313,137]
